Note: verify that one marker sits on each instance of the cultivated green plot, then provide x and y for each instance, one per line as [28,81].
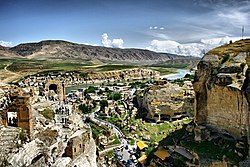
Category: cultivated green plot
[113,67]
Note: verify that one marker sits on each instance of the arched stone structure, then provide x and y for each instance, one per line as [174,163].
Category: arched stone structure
[53,87]
[57,87]
[21,104]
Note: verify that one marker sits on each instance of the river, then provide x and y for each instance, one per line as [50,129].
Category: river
[180,74]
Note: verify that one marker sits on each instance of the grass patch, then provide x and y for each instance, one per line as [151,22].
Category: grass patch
[157,132]
[4,63]
[48,114]
[209,150]
[232,49]
[131,141]
[116,141]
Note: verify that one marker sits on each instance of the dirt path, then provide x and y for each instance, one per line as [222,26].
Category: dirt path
[7,76]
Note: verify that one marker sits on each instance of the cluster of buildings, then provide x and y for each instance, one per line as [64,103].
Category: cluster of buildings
[39,95]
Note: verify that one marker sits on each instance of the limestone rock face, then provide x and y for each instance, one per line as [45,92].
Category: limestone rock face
[168,102]
[221,88]
[137,73]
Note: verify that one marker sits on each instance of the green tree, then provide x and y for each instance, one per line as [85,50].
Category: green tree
[91,89]
[103,104]
[114,96]
[117,96]
[94,103]
[84,108]
[100,92]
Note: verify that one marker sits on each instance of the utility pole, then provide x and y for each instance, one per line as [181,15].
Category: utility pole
[242,32]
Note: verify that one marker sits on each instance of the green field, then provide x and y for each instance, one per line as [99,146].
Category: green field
[164,71]
[25,65]
[4,62]
[112,67]
[174,65]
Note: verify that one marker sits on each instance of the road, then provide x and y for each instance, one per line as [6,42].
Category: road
[124,151]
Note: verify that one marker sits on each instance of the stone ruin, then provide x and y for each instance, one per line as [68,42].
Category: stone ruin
[21,105]
[54,87]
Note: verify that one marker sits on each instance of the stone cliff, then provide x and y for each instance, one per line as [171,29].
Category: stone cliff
[168,102]
[222,89]
[129,74]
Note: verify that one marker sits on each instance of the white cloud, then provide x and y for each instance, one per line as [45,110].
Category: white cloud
[6,44]
[189,49]
[115,43]
[156,28]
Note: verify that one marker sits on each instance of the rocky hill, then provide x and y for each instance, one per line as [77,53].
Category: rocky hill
[7,53]
[58,49]
[222,88]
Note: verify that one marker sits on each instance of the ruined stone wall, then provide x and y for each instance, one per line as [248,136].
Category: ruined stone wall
[60,88]
[24,113]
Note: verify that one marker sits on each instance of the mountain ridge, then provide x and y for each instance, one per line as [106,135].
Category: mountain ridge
[60,49]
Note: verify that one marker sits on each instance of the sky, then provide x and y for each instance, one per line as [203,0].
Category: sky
[187,27]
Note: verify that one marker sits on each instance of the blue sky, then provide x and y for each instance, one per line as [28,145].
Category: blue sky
[127,23]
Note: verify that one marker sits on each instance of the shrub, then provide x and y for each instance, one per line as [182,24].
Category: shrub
[114,96]
[23,136]
[91,89]
[225,58]
[215,71]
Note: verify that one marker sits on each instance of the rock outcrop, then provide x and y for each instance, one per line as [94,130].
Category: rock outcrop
[222,89]
[167,102]
[129,74]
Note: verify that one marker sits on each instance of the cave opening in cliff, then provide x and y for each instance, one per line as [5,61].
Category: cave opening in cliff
[53,87]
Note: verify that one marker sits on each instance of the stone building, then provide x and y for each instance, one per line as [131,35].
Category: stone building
[76,144]
[21,105]
[55,87]
[74,147]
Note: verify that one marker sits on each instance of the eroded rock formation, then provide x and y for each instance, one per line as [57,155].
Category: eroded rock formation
[222,89]
[168,102]
[137,73]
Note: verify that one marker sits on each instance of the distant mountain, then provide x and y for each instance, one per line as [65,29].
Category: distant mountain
[58,49]
[6,53]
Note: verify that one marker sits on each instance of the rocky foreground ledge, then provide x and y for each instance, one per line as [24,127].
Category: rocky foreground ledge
[222,90]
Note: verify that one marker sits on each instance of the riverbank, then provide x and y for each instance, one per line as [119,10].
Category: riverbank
[180,74]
